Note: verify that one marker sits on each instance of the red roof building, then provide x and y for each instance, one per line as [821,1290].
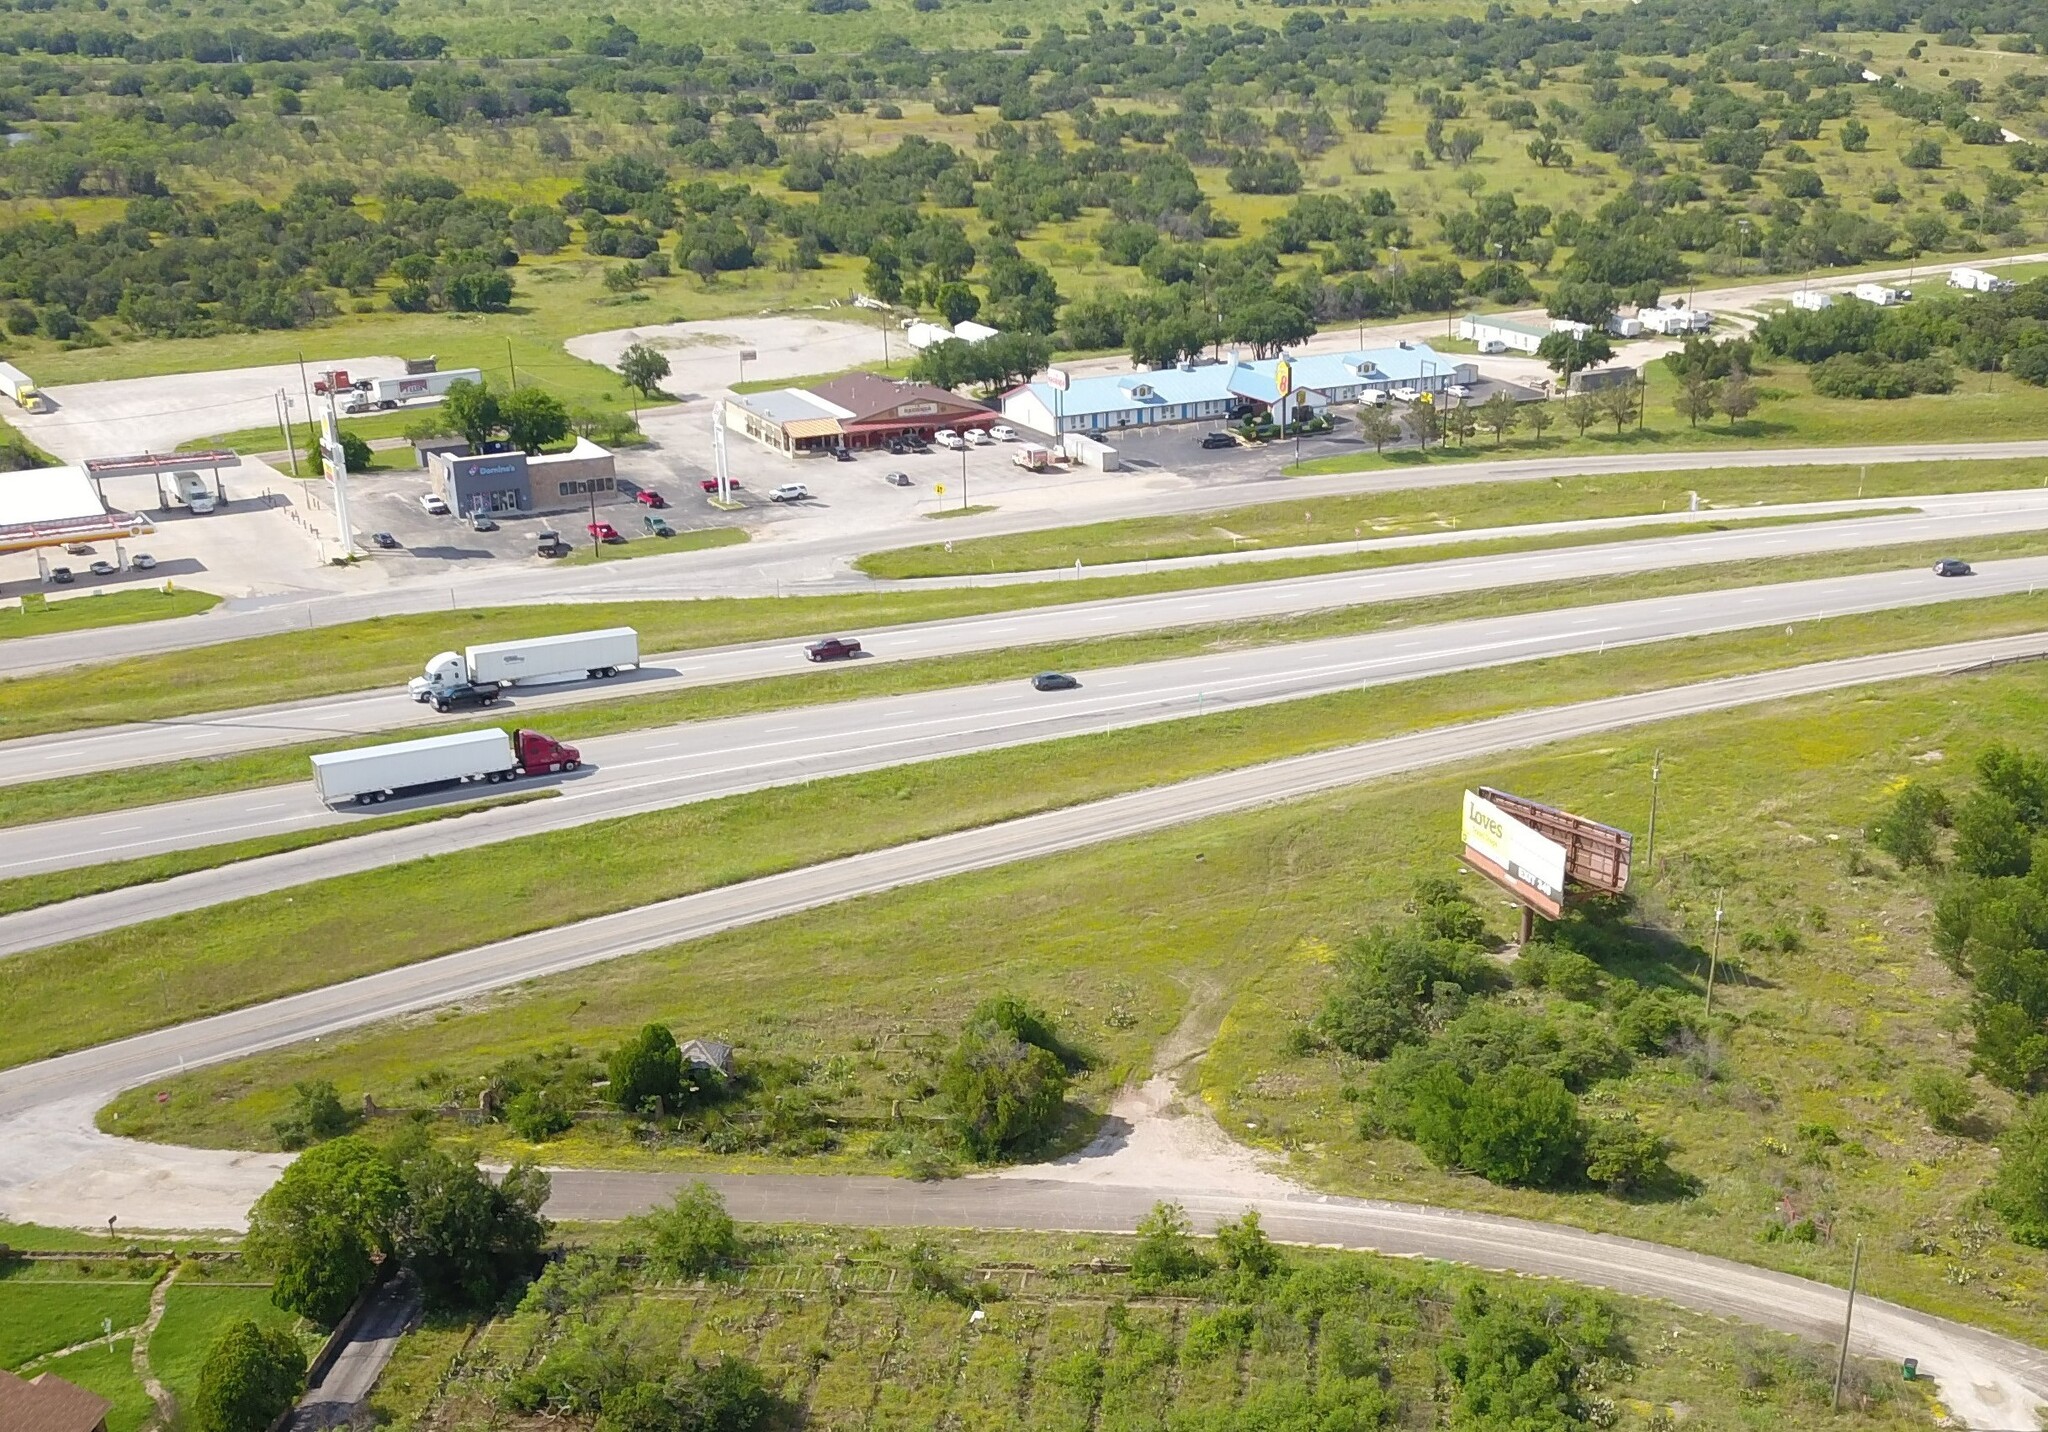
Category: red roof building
[49,1404]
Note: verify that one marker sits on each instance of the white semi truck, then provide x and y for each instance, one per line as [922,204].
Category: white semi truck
[372,393]
[592,654]
[377,773]
[22,389]
[191,489]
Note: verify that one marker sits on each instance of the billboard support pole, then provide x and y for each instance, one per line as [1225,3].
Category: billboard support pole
[1528,925]
[1650,837]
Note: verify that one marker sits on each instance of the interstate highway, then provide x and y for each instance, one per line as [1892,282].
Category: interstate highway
[1951,520]
[650,770]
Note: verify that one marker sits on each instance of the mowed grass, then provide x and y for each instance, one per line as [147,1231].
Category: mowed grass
[42,1310]
[109,1370]
[1985,408]
[1757,809]
[196,1313]
[697,539]
[1335,518]
[102,609]
[68,796]
[186,966]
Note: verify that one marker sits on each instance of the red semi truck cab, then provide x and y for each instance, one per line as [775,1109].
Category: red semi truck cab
[538,755]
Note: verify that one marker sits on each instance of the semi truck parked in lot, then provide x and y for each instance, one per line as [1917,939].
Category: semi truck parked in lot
[594,654]
[371,393]
[377,773]
[191,490]
[20,387]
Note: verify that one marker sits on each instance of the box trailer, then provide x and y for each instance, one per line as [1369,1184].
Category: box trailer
[1976,280]
[373,393]
[1879,294]
[377,773]
[191,489]
[592,654]
[22,389]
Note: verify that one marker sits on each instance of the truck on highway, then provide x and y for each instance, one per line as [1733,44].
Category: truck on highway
[190,489]
[377,773]
[592,654]
[372,393]
[22,389]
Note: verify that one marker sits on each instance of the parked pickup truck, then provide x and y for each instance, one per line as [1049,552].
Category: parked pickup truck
[377,773]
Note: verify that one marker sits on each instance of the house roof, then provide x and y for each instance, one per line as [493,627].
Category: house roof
[708,1054]
[1508,325]
[870,397]
[1218,382]
[49,1404]
[789,405]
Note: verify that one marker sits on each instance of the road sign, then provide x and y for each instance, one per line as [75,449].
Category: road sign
[940,489]
[748,355]
[1283,378]
[1057,379]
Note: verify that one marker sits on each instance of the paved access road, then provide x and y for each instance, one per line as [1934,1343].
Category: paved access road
[656,769]
[784,563]
[200,736]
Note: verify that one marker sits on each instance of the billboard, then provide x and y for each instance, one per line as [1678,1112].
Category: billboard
[1283,378]
[1522,861]
[1596,856]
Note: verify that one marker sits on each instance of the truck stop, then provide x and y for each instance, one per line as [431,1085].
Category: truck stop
[52,506]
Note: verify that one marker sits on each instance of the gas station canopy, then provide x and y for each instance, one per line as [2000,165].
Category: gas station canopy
[50,506]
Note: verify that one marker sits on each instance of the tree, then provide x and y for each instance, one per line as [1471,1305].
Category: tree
[1546,150]
[1620,402]
[1500,415]
[465,1236]
[1426,423]
[250,1376]
[317,1113]
[1855,135]
[693,1236]
[1906,832]
[2019,1191]
[1166,1251]
[317,1227]
[1244,1248]
[956,302]
[1460,422]
[1737,398]
[472,410]
[1921,154]
[644,367]
[647,1071]
[1378,427]
[533,418]
[884,274]
[1568,352]
[1513,1127]
[1991,839]
[1582,410]
[621,278]
[1003,1093]
[1582,301]
[1945,1097]
[1540,417]
[1464,143]
[1694,399]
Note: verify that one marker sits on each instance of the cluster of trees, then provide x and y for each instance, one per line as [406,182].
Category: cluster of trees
[1860,350]
[991,365]
[1005,1080]
[1490,1085]
[345,1205]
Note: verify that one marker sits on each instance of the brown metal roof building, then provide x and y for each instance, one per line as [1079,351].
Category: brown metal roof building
[859,410]
[49,1404]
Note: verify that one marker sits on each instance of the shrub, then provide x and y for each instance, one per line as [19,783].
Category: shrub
[1166,1251]
[647,1073]
[1516,1127]
[539,1114]
[2019,1191]
[1563,972]
[693,1236]
[1906,831]
[1003,1093]
[1649,1023]
[1622,1156]
[1944,1096]
[316,1114]
[1243,1248]
[250,1376]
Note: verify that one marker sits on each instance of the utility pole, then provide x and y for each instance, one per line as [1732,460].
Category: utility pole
[306,387]
[963,478]
[514,367]
[596,546]
[1650,841]
[1848,1315]
[284,423]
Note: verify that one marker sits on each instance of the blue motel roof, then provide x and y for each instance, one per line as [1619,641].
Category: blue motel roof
[1253,381]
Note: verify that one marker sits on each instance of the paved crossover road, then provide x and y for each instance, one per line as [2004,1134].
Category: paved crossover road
[651,770]
[820,563]
[201,736]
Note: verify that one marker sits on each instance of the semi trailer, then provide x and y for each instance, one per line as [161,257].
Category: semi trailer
[592,654]
[373,393]
[22,389]
[377,773]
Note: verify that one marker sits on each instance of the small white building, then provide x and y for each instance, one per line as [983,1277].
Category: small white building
[1978,281]
[1812,300]
[1495,334]
[924,335]
[1878,294]
[969,331]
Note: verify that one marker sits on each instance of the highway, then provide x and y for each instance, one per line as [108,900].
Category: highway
[808,564]
[59,1170]
[222,733]
[655,769]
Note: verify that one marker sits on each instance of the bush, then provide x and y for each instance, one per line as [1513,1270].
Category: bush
[2019,1191]
[1003,1094]
[1566,973]
[1166,1251]
[316,1114]
[1945,1097]
[250,1376]
[1516,1127]
[1906,831]
[647,1073]
[1990,838]
[1648,1023]
[693,1236]
[1392,982]
[539,1114]
[1622,1156]
[1244,1249]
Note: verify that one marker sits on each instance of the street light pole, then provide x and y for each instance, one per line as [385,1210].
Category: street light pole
[963,477]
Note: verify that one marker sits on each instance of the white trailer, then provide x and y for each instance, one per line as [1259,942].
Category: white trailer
[375,773]
[22,389]
[1812,300]
[191,490]
[1978,280]
[593,654]
[373,393]
[1878,294]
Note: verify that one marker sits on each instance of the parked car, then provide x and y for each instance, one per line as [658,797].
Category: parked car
[550,544]
[648,497]
[79,549]
[898,479]
[789,492]
[842,454]
[916,443]
[603,532]
[975,437]
[947,438]
[434,504]
[482,522]
[447,698]
[62,576]
[657,526]
[1459,390]
[142,561]
[710,484]
[377,539]
[1374,397]
[1003,433]
[1405,394]
[1053,681]
[1218,440]
[897,447]
[1953,567]
[102,568]
[833,648]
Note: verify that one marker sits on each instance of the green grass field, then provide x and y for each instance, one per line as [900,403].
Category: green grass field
[195,1313]
[109,1370]
[1759,808]
[103,609]
[47,1311]
[1331,518]
[1063,1343]
[697,539]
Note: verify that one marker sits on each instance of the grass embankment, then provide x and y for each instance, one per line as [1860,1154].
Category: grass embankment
[88,794]
[694,539]
[184,966]
[1985,408]
[1828,1001]
[1067,1342]
[1298,522]
[102,609]
[27,892]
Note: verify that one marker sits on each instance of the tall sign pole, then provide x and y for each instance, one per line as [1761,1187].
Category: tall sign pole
[718,465]
[337,477]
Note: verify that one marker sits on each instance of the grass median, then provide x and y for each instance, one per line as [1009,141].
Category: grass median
[35,617]
[1829,1000]
[1304,519]
[185,966]
[92,793]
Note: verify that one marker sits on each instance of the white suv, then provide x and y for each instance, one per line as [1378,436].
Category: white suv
[947,438]
[1003,433]
[789,492]
[977,438]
